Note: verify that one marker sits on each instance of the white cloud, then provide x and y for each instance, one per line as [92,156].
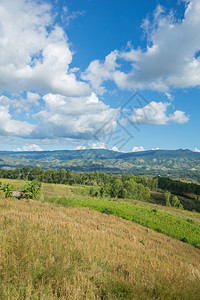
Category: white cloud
[34,53]
[169,96]
[24,104]
[196,150]
[99,145]
[157,148]
[69,17]
[11,127]
[138,149]
[80,148]
[60,117]
[115,149]
[73,117]
[35,58]
[33,98]
[155,113]
[32,147]
[168,60]
[98,72]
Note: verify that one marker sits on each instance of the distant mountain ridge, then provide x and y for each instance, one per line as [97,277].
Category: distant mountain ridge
[183,163]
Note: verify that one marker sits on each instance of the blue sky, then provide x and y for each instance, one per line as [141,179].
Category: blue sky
[69,68]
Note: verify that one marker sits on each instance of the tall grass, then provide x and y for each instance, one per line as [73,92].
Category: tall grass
[49,252]
[173,225]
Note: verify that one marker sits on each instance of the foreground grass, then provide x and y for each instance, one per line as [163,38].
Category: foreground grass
[179,224]
[171,224]
[50,252]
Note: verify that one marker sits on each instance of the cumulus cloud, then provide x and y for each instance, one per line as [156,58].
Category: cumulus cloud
[35,59]
[34,53]
[157,148]
[155,113]
[61,117]
[32,147]
[10,127]
[80,148]
[196,150]
[99,145]
[115,149]
[169,60]
[24,104]
[137,149]
[97,72]
[73,117]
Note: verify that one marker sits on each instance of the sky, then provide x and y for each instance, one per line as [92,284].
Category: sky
[120,75]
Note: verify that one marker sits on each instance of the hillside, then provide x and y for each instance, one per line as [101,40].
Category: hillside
[177,163]
[53,252]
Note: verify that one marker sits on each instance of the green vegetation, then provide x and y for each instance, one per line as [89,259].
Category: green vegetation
[175,226]
[178,187]
[7,189]
[176,163]
[167,198]
[54,252]
[115,186]
[172,223]
[31,190]
[72,244]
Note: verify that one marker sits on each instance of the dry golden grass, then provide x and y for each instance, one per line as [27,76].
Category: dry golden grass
[52,252]
[49,190]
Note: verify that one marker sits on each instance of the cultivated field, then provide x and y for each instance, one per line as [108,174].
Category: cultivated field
[52,248]
[50,252]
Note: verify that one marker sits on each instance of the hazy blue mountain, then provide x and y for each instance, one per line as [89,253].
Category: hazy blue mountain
[180,163]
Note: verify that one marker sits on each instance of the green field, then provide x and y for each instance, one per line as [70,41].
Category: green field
[180,224]
[67,245]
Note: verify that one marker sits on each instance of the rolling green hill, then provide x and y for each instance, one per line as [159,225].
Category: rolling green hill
[178,163]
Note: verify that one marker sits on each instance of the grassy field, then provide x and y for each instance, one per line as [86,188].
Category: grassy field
[180,224]
[53,252]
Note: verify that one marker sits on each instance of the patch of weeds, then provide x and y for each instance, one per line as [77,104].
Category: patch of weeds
[107,211]
[63,201]
[184,239]
[196,244]
[190,221]
[158,229]
[8,221]
[120,290]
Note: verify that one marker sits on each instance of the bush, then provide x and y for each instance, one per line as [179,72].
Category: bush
[107,211]
[31,189]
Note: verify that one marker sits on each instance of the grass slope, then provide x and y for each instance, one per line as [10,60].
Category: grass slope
[53,252]
[179,224]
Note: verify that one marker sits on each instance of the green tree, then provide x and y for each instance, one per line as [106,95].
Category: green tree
[131,187]
[167,195]
[116,188]
[68,176]
[7,189]
[101,192]
[123,193]
[176,202]
[31,189]
[63,176]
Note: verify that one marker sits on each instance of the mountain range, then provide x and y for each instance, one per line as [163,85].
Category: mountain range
[178,163]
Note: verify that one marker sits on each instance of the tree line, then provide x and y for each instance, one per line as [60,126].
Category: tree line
[69,177]
[112,185]
[178,187]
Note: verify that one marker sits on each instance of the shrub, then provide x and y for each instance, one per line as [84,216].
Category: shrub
[107,211]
